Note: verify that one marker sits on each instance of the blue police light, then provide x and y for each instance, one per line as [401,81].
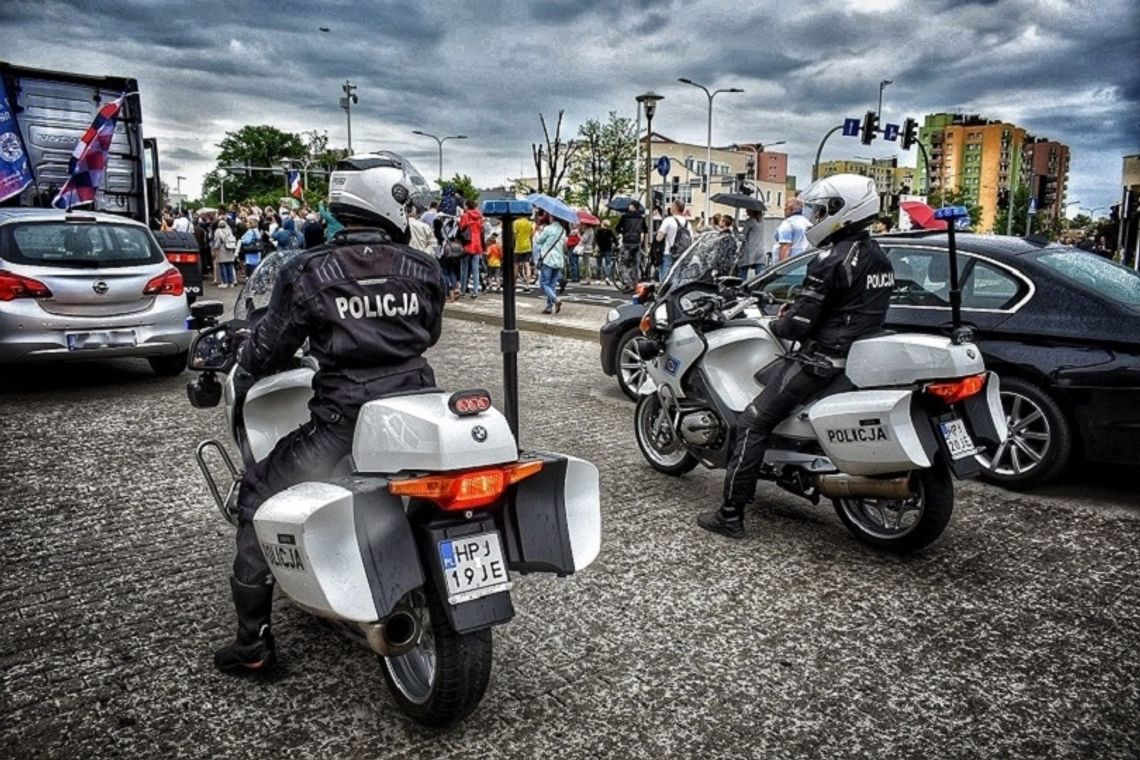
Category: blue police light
[947,213]
[507,207]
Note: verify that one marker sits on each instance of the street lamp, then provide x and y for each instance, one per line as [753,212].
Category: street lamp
[757,148]
[648,100]
[708,156]
[178,191]
[222,180]
[882,84]
[440,141]
[347,102]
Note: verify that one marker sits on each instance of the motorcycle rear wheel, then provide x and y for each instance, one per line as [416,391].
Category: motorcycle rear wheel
[906,526]
[442,680]
[658,442]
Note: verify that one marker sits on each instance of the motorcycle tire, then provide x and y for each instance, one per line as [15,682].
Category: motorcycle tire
[868,521]
[676,461]
[442,680]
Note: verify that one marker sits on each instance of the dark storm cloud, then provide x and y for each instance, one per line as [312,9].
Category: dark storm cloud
[1063,68]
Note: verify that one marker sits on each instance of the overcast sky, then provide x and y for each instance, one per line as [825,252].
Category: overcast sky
[1064,69]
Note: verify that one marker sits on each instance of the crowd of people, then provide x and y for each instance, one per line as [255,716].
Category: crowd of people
[232,243]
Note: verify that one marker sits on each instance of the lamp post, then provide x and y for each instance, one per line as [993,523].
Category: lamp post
[882,84]
[440,141]
[649,101]
[222,180]
[637,153]
[178,191]
[347,102]
[708,156]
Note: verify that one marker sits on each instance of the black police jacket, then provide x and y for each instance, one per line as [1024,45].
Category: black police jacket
[369,308]
[845,296]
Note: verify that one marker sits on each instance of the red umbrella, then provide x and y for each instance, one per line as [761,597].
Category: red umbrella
[922,215]
[585,217]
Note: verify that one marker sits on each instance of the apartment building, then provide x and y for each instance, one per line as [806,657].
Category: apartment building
[987,159]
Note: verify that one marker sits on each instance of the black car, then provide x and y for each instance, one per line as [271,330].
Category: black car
[182,250]
[1060,326]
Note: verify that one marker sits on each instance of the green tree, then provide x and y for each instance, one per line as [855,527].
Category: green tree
[603,166]
[956,196]
[256,146]
[1042,223]
[463,185]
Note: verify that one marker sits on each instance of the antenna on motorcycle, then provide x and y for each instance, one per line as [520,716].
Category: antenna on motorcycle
[508,211]
[951,215]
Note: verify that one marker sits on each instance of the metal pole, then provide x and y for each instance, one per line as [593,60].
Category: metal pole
[1120,223]
[440,162]
[648,184]
[708,157]
[1009,215]
[819,152]
[1029,206]
[348,112]
[955,287]
[509,337]
[637,157]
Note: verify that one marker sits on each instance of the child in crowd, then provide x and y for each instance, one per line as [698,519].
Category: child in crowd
[494,263]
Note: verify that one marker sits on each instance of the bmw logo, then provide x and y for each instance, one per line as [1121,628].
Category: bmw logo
[970,353]
[479,433]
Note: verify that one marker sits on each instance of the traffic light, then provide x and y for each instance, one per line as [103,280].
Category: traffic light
[740,188]
[870,127]
[909,134]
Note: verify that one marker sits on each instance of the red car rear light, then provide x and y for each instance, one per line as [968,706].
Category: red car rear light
[182,258]
[457,491]
[169,283]
[13,286]
[953,391]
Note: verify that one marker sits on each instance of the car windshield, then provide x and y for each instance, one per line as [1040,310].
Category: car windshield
[78,244]
[254,295]
[713,254]
[1095,273]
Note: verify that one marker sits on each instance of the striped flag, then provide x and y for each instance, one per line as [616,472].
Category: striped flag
[296,189]
[89,159]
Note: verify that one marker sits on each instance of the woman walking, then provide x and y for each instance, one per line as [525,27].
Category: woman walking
[550,247]
[752,249]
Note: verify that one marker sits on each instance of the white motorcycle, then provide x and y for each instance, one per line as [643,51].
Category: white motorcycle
[881,440]
[411,546]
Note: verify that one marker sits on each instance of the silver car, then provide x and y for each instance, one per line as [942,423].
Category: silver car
[84,285]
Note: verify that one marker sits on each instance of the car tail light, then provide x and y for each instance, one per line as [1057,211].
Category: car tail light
[457,491]
[169,283]
[182,258]
[953,391]
[13,286]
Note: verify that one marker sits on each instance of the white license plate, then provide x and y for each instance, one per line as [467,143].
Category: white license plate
[957,439]
[104,339]
[473,567]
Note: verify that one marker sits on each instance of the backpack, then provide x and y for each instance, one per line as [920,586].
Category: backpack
[682,240]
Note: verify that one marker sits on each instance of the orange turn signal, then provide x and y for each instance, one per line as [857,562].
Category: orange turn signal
[465,490]
[953,391]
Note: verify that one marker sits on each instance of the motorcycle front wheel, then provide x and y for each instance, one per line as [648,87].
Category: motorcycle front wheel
[442,680]
[903,526]
[657,439]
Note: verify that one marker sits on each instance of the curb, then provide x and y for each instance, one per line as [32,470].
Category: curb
[525,324]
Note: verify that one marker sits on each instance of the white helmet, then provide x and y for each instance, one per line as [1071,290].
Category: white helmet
[374,189]
[838,203]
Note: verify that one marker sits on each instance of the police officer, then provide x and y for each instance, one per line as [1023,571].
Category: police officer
[369,305]
[845,295]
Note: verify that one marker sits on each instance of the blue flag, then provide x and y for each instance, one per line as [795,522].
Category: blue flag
[15,174]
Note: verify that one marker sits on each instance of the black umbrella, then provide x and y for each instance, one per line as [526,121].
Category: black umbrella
[619,204]
[740,200]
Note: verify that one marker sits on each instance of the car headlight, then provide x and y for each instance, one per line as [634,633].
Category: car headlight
[612,316]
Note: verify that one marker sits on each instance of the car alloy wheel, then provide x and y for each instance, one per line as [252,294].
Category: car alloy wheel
[1029,439]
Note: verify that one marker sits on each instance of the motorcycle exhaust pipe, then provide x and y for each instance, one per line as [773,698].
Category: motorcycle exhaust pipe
[859,487]
[396,634]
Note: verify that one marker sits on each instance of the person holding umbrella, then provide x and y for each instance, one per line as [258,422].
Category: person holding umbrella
[550,247]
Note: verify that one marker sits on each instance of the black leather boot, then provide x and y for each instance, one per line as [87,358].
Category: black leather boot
[252,650]
[727,521]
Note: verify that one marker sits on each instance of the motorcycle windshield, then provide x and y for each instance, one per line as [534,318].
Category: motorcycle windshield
[254,295]
[713,254]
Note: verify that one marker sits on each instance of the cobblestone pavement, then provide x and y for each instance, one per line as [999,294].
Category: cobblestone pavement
[1014,636]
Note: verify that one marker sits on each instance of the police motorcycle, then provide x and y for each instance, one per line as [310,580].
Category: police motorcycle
[412,545]
[881,440]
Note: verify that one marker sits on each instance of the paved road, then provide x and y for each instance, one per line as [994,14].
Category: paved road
[1015,636]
